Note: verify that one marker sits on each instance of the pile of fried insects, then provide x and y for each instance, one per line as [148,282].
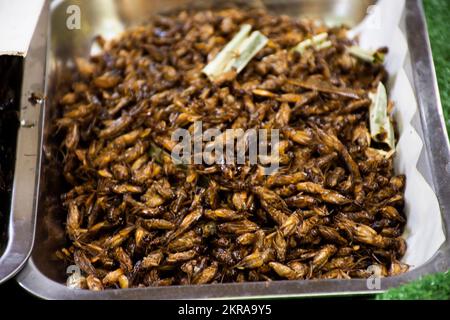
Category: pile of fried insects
[135,218]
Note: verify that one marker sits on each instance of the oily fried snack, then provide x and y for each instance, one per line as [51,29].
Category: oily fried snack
[135,218]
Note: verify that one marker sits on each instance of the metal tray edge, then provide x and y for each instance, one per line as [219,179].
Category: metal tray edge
[22,214]
[437,146]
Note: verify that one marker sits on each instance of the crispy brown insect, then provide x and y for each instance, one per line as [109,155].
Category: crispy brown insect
[238,227]
[246,239]
[206,275]
[185,242]
[329,196]
[301,269]
[280,245]
[301,201]
[94,283]
[181,256]
[398,268]
[284,271]
[187,222]
[321,257]
[332,235]
[84,263]
[335,274]
[254,260]
[280,180]
[152,260]
[222,214]
[158,224]
[290,225]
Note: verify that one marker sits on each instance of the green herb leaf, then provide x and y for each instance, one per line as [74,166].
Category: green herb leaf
[381,129]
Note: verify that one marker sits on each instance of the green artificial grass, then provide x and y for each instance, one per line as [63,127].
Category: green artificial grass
[437,14]
[431,287]
[435,286]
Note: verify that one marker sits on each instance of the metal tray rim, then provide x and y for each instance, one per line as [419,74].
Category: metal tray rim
[21,222]
[437,147]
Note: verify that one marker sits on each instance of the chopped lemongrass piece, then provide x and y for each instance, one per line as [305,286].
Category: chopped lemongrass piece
[323,45]
[237,53]
[313,41]
[217,65]
[366,55]
[381,129]
[379,57]
[362,54]
[247,50]
[302,46]
[318,38]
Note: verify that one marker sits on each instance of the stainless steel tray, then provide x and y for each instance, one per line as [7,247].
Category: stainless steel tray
[21,222]
[44,276]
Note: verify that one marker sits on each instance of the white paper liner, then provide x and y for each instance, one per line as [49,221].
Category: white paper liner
[424,231]
[18,19]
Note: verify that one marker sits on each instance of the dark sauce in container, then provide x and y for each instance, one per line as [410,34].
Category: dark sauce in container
[10,82]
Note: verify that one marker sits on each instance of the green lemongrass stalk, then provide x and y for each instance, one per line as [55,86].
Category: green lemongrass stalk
[313,41]
[381,129]
[217,65]
[365,55]
[323,45]
[237,53]
[247,50]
